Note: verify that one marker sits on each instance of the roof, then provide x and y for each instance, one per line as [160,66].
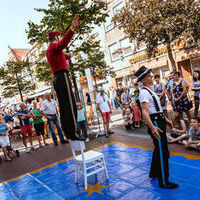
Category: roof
[19,53]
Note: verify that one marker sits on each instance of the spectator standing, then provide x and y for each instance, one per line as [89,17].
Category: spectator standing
[49,109]
[4,139]
[88,101]
[132,93]
[104,107]
[196,89]
[119,92]
[169,86]
[113,97]
[38,123]
[137,93]
[16,125]
[159,89]
[7,117]
[125,98]
[179,94]
[25,126]
[81,114]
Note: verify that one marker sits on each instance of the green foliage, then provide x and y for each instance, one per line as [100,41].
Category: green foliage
[43,72]
[12,79]
[59,17]
[94,59]
[160,21]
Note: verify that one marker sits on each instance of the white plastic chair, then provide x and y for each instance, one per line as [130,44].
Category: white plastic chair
[87,163]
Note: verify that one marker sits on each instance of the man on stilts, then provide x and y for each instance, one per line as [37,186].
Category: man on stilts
[61,81]
[156,122]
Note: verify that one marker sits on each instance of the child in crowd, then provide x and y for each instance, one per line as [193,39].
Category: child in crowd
[136,114]
[81,115]
[128,122]
[194,135]
[126,106]
[178,131]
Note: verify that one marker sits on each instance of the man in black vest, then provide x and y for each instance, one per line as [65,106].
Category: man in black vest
[156,122]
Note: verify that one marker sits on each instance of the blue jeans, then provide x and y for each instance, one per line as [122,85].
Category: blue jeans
[55,121]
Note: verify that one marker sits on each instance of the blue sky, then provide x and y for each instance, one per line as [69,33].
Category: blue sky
[14,15]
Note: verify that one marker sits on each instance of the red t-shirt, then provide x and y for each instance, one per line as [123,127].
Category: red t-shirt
[55,56]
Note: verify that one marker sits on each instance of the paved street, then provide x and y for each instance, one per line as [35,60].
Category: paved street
[50,154]
[28,169]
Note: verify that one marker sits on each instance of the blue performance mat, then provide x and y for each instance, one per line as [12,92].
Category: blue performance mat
[128,168]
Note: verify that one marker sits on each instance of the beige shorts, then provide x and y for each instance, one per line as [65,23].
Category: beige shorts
[4,141]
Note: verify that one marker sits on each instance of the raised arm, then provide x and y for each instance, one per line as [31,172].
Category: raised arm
[68,36]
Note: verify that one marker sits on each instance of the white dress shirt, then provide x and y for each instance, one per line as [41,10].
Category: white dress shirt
[145,96]
[49,107]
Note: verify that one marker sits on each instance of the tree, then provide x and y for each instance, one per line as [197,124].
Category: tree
[159,21]
[13,80]
[43,72]
[93,59]
[59,17]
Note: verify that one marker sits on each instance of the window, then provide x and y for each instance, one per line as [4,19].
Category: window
[118,7]
[142,47]
[127,47]
[113,53]
[109,25]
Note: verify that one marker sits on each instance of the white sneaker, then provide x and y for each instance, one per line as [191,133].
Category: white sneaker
[28,150]
[87,140]
[32,148]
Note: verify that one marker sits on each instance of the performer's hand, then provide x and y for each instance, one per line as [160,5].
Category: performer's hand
[49,117]
[155,133]
[75,22]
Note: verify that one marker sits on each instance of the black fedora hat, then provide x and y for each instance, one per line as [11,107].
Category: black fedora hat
[142,73]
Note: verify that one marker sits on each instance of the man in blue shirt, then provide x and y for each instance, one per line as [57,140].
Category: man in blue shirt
[25,126]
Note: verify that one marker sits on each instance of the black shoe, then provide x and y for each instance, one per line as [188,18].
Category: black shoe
[80,138]
[64,142]
[17,153]
[170,185]
[106,135]
[47,136]
[56,144]
[0,159]
[152,176]
[111,132]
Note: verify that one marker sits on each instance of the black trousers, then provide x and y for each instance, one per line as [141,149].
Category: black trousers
[82,127]
[39,128]
[159,163]
[67,104]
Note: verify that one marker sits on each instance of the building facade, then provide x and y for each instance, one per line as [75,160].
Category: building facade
[126,58]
